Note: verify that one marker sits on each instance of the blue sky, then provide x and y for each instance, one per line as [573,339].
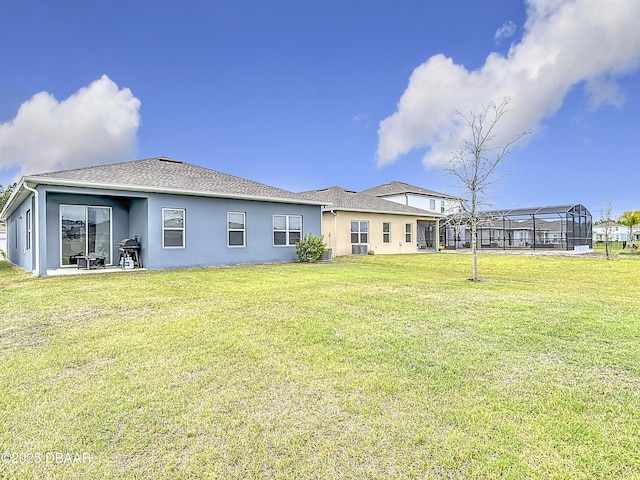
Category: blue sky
[304,95]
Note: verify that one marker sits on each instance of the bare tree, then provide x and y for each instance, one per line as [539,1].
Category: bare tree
[475,165]
[606,223]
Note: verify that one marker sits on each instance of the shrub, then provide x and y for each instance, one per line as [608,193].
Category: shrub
[371,252]
[310,248]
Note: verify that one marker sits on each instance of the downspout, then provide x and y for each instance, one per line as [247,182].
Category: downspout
[36,229]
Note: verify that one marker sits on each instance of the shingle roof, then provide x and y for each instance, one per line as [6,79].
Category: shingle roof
[342,199]
[395,187]
[167,174]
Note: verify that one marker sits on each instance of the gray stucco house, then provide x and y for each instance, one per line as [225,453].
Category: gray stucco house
[182,215]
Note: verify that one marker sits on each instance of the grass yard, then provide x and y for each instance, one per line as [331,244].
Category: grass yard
[366,368]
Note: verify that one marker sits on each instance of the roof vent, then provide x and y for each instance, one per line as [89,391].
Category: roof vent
[168,160]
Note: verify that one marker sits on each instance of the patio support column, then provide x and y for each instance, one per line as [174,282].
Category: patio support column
[534,230]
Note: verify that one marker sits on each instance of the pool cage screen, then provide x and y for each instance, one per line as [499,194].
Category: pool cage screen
[560,227]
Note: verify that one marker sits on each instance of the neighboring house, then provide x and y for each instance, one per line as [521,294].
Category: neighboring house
[183,215]
[617,232]
[3,239]
[354,223]
[410,195]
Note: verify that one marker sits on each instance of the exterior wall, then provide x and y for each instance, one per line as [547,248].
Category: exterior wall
[617,233]
[337,232]
[18,251]
[3,238]
[138,226]
[140,214]
[119,219]
[206,231]
[423,202]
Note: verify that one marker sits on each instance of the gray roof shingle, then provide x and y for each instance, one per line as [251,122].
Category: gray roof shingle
[342,199]
[168,174]
[395,187]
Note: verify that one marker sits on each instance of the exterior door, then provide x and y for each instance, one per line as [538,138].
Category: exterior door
[84,230]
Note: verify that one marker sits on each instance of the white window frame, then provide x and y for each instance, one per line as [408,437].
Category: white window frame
[360,232]
[442,206]
[243,230]
[408,233]
[287,230]
[432,204]
[387,233]
[183,229]
[27,240]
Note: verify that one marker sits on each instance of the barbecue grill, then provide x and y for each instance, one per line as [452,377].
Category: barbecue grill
[129,250]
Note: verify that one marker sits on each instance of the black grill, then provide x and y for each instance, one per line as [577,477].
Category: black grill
[129,250]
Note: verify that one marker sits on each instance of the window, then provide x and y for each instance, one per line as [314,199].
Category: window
[359,232]
[432,204]
[28,231]
[173,227]
[441,206]
[386,232]
[287,230]
[408,232]
[236,229]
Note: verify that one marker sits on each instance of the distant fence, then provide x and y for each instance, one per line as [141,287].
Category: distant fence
[614,245]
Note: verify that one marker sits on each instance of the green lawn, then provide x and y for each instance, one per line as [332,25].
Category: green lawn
[372,367]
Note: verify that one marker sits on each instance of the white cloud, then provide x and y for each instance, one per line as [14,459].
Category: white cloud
[565,43]
[505,31]
[604,91]
[97,124]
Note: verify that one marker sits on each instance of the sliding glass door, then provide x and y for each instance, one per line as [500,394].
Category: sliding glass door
[84,230]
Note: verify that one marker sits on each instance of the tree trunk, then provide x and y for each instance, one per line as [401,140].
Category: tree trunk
[474,249]
[474,237]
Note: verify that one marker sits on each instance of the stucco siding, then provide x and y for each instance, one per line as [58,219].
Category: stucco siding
[206,232]
[337,232]
[19,250]
[119,219]
[138,226]
[3,239]
[424,202]
[140,214]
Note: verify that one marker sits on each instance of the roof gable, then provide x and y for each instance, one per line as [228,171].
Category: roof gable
[395,188]
[342,199]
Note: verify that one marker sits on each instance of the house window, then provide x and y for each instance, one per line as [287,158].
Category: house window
[173,227]
[386,232]
[441,206]
[236,229]
[359,233]
[15,234]
[287,230]
[28,231]
[408,232]
[432,204]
